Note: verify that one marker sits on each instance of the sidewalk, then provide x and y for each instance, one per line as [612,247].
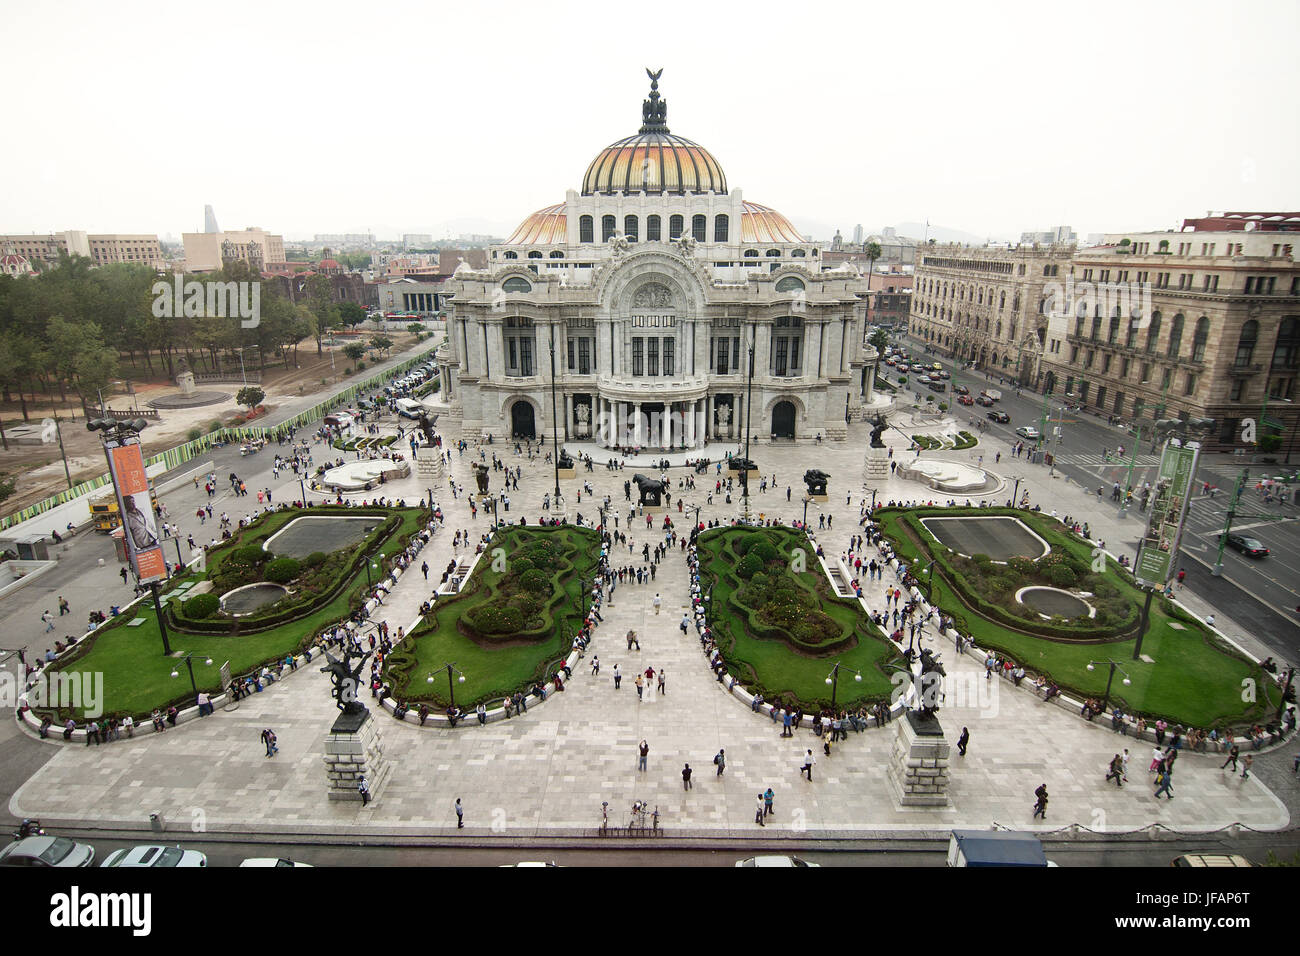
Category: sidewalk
[549,770]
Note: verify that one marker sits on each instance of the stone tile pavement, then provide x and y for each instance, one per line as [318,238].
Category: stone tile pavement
[549,770]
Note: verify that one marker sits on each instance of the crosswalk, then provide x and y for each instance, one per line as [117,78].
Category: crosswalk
[1096,461]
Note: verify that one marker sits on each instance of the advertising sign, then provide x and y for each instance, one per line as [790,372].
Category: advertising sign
[1168,512]
[143,548]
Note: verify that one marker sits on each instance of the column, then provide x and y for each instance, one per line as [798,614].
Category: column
[689,411]
[568,414]
[700,424]
[666,437]
[636,423]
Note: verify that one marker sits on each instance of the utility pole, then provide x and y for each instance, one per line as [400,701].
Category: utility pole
[1217,570]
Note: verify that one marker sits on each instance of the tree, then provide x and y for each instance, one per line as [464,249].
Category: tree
[879,340]
[320,299]
[250,396]
[381,343]
[351,314]
[6,487]
[415,328]
[354,350]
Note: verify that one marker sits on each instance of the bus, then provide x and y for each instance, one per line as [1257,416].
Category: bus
[105,515]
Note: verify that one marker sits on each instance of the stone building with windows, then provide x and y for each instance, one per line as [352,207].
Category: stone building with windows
[982,305]
[645,292]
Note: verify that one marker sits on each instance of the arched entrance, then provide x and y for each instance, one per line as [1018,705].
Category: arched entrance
[522,424]
[783,420]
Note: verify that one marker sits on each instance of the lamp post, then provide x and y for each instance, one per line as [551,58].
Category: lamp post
[189,665]
[1114,666]
[555,421]
[749,391]
[833,678]
[369,580]
[1015,495]
[1232,513]
[806,499]
[451,684]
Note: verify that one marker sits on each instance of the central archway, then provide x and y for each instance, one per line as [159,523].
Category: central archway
[522,423]
[783,420]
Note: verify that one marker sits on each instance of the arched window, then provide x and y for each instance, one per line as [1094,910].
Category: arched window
[1286,354]
[1112,334]
[675,224]
[751,253]
[1246,343]
[721,224]
[699,225]
[1153,332]
[1200,338]
[586,232]
[789,284]
[1002,300]
[1175,336]
[516,284]
[607,226]
[651,228]
[798,253]
[557,254]
[1096,327]
[631,228]
[512,255]
[773,253]
[534,254]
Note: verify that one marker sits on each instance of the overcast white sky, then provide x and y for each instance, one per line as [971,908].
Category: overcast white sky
[314,117]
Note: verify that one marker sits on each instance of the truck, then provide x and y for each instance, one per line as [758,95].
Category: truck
[995,848]
[993,393]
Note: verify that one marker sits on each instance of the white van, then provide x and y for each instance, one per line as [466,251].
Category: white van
[408,407]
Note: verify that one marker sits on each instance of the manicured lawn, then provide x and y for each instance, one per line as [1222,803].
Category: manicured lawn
[498,666]
[1194,680]
[137,676]
[772,665]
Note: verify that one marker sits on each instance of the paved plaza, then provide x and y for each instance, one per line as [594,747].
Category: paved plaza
[548,771]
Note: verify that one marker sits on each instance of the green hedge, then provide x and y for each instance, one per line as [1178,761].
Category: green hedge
[202,606]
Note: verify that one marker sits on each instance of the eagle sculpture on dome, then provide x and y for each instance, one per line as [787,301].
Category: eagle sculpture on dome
[654,111]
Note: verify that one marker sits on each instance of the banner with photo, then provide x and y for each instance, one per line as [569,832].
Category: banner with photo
[1168,512]
[139,527]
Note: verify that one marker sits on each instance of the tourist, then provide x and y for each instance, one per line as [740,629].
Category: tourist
[806,765]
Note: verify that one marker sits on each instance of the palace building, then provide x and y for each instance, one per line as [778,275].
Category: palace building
[641,298]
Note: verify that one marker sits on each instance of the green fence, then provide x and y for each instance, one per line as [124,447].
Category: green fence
[180,454]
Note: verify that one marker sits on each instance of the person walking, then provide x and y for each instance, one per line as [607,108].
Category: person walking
[686,621]
[618,678]
[720,759]
[363,788]
[663,680]
[425,568]
[1116,770]
[640,686]
[758,811]
[632,639]
[658,601]
[768,797]
[48,618]
[809,761]
[1125,759]
[645,752]
[686,777]
[595,665]
[268,738]
[1040,801]
[460,815]
[1246,764]
[1165,781]
[1232,758]
[787,723]
[962,741]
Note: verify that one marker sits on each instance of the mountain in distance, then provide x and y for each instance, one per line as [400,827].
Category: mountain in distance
[822,232]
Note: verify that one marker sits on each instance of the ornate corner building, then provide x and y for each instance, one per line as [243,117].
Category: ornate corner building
[641,297]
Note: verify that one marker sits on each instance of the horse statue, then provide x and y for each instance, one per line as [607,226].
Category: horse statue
[816,480]
[929,684]
[346,680]
[877,429]
[650,489]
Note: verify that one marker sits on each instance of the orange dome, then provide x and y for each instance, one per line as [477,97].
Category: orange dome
[548,225]
[764,224]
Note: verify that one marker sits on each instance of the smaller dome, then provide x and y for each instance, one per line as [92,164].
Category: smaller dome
[764,224]
[547,226]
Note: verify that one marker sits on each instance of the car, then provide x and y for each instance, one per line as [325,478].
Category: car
[944,373]
[43,851]
[891,361]
[339,419]
[903,367]
[1029,432]
[155,854]
[985,401]
[961,389]
[923,380]
[783,861]
[258,861]
[965,400]
[1230,860]
[1252,547]
[1000,417]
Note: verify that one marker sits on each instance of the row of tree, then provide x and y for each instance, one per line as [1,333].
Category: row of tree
[76,328]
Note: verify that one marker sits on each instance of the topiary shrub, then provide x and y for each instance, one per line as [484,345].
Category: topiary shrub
[194,434]
[521,566]
[765,551]
[1062,576]
[201,606]
[535,580]
[282,570]
[495,619]
[315,559]
[250,554]
[749,565]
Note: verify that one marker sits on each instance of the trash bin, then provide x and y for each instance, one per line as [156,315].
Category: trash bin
[156,822]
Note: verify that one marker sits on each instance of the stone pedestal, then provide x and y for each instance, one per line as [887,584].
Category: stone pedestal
[819,498]
[877,464]
[918,768]
[353,747]
[185,382]
[567,472]
[429,464]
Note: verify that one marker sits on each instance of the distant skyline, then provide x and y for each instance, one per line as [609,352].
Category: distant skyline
[396,118]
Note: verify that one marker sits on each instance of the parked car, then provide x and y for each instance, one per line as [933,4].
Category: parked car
[1000,417]
[985,401]
[965,400]
[960,389]
[944,373]
[1252,547]
[153,854]
[780,861]
[258,861]
[1029,432]
[43,851]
